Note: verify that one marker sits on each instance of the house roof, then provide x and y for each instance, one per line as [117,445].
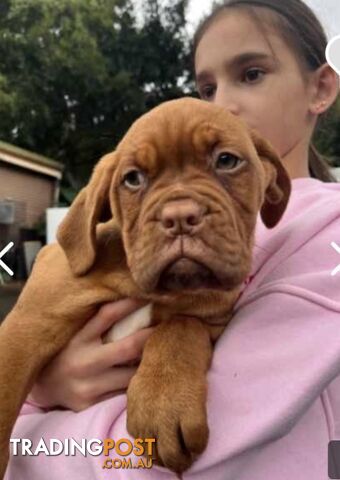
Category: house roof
[29,160]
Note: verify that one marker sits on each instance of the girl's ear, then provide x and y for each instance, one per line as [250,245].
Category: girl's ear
[277,182]
[77,232]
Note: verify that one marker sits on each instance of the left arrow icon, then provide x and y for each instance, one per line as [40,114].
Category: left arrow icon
[3,264]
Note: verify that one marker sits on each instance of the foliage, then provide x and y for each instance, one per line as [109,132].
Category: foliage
[327,136]
[74,75]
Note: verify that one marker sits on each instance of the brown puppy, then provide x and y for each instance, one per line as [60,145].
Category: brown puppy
[168,217]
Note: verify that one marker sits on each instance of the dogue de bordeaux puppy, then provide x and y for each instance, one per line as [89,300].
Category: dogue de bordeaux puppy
[168,217]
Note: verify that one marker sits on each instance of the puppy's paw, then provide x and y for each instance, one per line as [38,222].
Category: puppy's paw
[173,412]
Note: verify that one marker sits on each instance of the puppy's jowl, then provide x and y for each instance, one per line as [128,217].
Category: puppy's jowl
[168,217]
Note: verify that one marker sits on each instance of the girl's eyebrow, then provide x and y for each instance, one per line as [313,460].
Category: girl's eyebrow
[237,61]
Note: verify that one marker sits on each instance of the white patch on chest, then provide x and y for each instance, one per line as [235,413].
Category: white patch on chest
[132,323]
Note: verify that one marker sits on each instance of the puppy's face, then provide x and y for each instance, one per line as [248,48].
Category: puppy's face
[185,186]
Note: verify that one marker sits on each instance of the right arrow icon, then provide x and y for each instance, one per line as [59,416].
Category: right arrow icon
[337,249]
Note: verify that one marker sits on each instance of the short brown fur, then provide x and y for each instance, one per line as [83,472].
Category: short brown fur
[99,261]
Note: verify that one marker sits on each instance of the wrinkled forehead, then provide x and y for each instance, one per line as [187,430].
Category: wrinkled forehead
[180,131]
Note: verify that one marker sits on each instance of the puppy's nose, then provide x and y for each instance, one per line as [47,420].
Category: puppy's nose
[181,216]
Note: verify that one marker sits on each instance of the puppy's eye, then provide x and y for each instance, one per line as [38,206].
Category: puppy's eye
[227,161]
[134,179]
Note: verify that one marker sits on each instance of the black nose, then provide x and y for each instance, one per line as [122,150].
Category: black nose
[181,216]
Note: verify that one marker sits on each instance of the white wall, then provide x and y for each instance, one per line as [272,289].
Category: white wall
[54,217]
[336,172]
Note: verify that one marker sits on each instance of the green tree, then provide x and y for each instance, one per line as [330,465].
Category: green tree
[74,75]
[327,136]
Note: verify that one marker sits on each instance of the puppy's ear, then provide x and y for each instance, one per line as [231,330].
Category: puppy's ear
[77,232]
[277,182]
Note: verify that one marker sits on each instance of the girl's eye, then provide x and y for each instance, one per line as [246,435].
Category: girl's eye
[134,179]
[207,91]
[227,161]
[253,74]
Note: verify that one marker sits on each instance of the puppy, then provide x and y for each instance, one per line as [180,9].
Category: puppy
[168,217]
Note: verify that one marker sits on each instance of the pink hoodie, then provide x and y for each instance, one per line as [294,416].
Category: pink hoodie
[274,383]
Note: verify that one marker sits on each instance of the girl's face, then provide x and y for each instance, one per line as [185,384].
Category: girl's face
[236,69]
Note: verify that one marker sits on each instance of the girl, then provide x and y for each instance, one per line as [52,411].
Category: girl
[274,383]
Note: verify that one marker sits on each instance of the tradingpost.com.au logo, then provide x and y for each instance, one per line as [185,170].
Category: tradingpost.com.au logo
[115,450]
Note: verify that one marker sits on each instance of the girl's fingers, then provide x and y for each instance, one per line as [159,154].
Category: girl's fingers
[119,377]
[100,387]
[117,353]
[106,396]
[106,316]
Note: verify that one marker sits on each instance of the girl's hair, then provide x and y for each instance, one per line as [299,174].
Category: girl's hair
[303,33]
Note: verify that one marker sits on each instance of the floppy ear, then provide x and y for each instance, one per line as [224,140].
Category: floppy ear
[77,232]
[277,182]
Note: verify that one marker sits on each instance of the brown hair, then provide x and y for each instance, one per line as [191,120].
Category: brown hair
[306,38]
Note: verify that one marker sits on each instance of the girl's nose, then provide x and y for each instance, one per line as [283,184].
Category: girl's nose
[224,99]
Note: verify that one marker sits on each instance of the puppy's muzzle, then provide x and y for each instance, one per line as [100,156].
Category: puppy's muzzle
[182,217]
[178,220]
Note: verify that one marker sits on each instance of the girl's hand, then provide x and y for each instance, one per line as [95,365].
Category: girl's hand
[87,371]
